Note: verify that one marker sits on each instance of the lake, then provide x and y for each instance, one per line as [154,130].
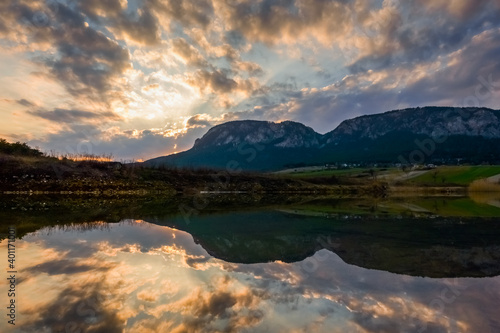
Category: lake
[242,263]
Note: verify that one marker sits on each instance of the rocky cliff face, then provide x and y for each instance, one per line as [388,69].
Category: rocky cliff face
[286,134]
[473,135]
[430,121]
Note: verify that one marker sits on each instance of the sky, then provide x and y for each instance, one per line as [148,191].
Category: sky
[141,79]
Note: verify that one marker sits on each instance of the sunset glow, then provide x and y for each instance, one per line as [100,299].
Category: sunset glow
[139,79]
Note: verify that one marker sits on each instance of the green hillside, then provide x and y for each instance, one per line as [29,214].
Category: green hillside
[460,175]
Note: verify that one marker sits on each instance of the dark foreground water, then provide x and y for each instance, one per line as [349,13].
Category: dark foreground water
[323,265]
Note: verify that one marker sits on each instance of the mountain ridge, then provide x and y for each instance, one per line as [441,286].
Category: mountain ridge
[431,121]
[258,131]
[382,137]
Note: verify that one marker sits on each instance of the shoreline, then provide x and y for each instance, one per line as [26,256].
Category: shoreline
[341,191]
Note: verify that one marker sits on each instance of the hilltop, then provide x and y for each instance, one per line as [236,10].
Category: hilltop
[440,135]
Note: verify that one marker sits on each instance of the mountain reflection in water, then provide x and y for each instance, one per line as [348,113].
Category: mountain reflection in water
[321,265]
[135,276]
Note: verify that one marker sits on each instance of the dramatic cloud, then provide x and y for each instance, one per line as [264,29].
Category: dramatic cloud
[25,102]
[141,26]
[187,13]
[125,144]
[84,60]
[398,40]
[469,83]
[216,82]
[253,69]
[461,9]
[188,53]
[144,67]
[286,21]
[73,116]
[198,120]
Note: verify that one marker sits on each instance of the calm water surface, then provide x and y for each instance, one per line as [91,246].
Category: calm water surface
[314,266]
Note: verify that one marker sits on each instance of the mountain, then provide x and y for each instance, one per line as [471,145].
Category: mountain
[433,122]
[249,145]
[287,134]
[416,135]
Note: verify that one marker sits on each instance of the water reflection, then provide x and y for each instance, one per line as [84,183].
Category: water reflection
[432,237]
[429,246]
[134,276]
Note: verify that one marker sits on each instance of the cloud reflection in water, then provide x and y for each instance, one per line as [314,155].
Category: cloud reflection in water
[138,277]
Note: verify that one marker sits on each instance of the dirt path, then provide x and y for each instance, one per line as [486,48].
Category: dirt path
[494,179]
[404,176]
[495,203]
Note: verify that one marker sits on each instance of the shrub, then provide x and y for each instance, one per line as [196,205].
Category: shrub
[18,149]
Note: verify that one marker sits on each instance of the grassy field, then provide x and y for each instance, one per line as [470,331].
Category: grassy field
[332,172]
[460,175]
[440,177]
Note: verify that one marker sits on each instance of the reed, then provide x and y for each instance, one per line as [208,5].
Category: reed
[482,185]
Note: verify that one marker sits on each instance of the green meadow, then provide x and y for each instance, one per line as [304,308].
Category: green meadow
[459,175]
